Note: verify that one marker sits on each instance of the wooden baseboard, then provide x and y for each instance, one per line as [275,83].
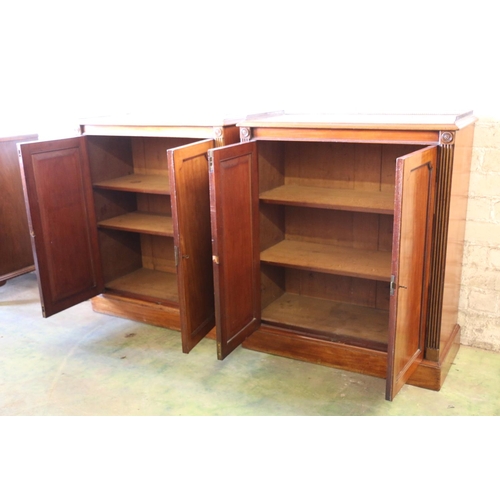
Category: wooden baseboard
[335,355]
[429,374]
[432,374]
[138,310]
[14,274]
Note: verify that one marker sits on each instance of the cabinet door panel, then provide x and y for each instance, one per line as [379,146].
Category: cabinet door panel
[58,192]
[188,170]
[235,232]
[410,265]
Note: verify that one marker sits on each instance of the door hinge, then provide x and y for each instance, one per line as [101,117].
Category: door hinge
[392,285]
[219,350]
[210,163]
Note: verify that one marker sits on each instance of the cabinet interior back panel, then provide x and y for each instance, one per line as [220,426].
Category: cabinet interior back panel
[158,253]
[325,265]
[275,281]
[109,204]
[120,253]
[109,157]
[363,167]
[340,228]
[336,308]
[330,320]
[150,153]
[130,257]
[154,204]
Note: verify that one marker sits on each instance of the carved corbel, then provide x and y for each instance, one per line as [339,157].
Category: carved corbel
[446,138]
[218,137]
[245,134]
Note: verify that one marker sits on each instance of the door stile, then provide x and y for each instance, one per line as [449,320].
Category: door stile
[414,204]
[234,198]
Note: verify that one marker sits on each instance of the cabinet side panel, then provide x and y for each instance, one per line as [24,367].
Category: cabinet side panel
[271,165]
[15,244]
[272,225]
[272,283]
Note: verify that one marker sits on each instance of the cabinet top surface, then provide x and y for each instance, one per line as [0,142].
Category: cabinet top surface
[164,120]
[446,121]
[9,136]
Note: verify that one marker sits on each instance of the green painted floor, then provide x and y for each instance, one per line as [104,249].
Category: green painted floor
[82,363]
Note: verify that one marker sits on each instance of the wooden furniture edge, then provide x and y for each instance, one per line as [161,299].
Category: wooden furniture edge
[432,374]
[342,356]
[315,134]
[402,121]
[137,310]
[429,375]
[18,137]
[19,272]
[148,131]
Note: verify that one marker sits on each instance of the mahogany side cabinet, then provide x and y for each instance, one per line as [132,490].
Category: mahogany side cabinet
[16,257]
[338,240]
[115,219]
[330,239]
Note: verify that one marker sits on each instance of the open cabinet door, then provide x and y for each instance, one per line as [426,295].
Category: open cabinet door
[188,171]
[58,193]
[234,199]
[410,265]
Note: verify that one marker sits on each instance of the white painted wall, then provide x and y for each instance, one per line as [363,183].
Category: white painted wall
[66,59]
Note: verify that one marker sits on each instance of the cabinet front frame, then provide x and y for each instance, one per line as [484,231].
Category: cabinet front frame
[423,137]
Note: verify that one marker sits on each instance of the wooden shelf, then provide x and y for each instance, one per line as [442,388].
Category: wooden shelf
[330,259]
[140,222]
[135,183]
[339,199]
[142,283]
[330,320]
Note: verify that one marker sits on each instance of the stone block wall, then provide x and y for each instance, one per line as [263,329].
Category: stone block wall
[479,314]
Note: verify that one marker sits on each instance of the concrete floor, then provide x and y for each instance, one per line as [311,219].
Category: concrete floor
[82,363]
